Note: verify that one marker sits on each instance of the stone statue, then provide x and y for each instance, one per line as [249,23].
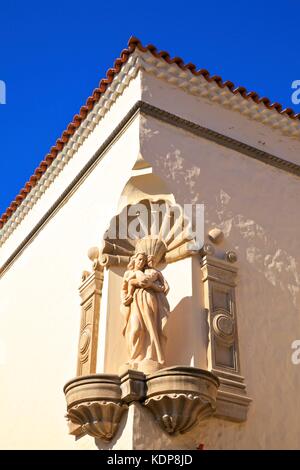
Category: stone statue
[145,309]
[143,236]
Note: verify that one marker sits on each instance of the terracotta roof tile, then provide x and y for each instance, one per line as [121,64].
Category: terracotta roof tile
[133,44]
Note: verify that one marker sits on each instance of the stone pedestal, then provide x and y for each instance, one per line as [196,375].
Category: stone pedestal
[161,407]
[94,405]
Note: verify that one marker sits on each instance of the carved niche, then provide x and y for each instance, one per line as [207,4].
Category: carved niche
[177,397]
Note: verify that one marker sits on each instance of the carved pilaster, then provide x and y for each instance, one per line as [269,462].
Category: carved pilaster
[90,293]
[219,280]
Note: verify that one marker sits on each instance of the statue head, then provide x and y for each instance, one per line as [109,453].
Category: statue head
[153,247]
[138,261]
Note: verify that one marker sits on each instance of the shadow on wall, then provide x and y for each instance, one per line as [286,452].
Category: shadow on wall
[185,332]
[268,322]
[257,207]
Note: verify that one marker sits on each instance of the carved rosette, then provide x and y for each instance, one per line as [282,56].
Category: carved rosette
[94,405]
[84,344]
[223,326]
[179,397]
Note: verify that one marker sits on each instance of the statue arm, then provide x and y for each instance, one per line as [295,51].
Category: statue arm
[128,286]
[164,283]
[157,288]
[166,287]
[162,286]
[124,288]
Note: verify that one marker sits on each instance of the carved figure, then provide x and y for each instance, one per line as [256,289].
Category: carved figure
[145,309]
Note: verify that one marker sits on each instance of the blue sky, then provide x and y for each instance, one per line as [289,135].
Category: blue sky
[53,55]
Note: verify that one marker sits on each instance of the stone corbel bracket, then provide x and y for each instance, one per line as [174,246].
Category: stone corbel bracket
[94,405]
[177,397]
[219,281]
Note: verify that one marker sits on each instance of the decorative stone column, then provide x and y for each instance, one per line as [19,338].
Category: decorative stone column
[219,280]
[90,293]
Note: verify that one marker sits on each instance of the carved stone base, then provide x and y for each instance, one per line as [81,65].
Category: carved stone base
[177,397]
[232,400]
[94,405]
[98,418]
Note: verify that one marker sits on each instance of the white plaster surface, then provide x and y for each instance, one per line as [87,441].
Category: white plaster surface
[39,307]
[257,207]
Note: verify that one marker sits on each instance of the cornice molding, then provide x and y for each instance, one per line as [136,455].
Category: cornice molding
[197,85]
[220,139]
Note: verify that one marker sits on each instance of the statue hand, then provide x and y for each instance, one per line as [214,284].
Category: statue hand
[143,284]
[127,300]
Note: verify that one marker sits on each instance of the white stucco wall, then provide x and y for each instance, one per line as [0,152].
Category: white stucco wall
[39,308]
[257,207]
[255,204]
